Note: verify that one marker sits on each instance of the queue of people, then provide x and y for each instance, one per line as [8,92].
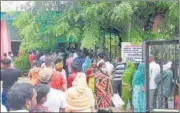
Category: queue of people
[86,85]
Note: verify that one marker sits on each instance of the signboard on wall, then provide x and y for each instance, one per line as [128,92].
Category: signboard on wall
[131,52]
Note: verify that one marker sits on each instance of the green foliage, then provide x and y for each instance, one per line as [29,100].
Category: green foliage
[33,30]
[22,63]
[86,21]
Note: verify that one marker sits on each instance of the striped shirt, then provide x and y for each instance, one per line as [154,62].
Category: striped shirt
[119,70]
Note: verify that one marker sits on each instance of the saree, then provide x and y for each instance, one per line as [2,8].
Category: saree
[127,84]
[103,91]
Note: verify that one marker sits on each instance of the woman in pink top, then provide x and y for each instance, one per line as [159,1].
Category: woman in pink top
[69,62]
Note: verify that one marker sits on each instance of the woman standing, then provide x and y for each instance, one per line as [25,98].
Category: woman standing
[138,84]
[86,64]
[79,97]
[127,84]
[60,67]
[103,88]
[33,73]
[90,73]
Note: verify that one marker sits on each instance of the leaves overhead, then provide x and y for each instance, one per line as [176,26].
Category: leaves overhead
[87,21]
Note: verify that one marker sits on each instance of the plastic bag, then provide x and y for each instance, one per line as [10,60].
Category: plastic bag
[117,101]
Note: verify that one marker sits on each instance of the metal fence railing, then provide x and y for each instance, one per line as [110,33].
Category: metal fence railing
[163,51]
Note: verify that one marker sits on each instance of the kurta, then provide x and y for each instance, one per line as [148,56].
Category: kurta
[127,83]
[86,64]
[166,82]
[139,95]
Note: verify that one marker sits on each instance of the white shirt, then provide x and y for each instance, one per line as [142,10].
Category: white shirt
[55,100]
[109,68]
[153,72]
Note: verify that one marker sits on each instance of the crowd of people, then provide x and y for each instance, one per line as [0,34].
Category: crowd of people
[83,82]
[9,55]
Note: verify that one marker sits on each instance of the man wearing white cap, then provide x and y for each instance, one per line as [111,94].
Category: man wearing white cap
[55,98]
[164,82]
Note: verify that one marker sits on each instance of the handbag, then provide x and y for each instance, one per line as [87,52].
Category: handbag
[117,101]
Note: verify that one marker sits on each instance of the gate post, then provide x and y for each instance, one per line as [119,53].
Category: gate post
[146,62]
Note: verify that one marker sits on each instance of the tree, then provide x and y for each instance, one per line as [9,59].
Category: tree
[89,21]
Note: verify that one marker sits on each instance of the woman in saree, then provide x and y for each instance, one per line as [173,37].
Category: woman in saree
[86,64]
[103,88]
[60,67]
[138,84]
[33,73]
[90,73]
[127,84]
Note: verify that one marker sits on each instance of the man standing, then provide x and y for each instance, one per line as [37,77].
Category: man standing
[9,75]
[10,56]
[154,70]
[57,79]
[118,72]
[55,98]
[164,82]
[21,97]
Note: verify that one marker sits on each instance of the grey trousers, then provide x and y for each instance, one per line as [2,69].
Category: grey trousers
[152,98]
[162,102]
[117,87]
